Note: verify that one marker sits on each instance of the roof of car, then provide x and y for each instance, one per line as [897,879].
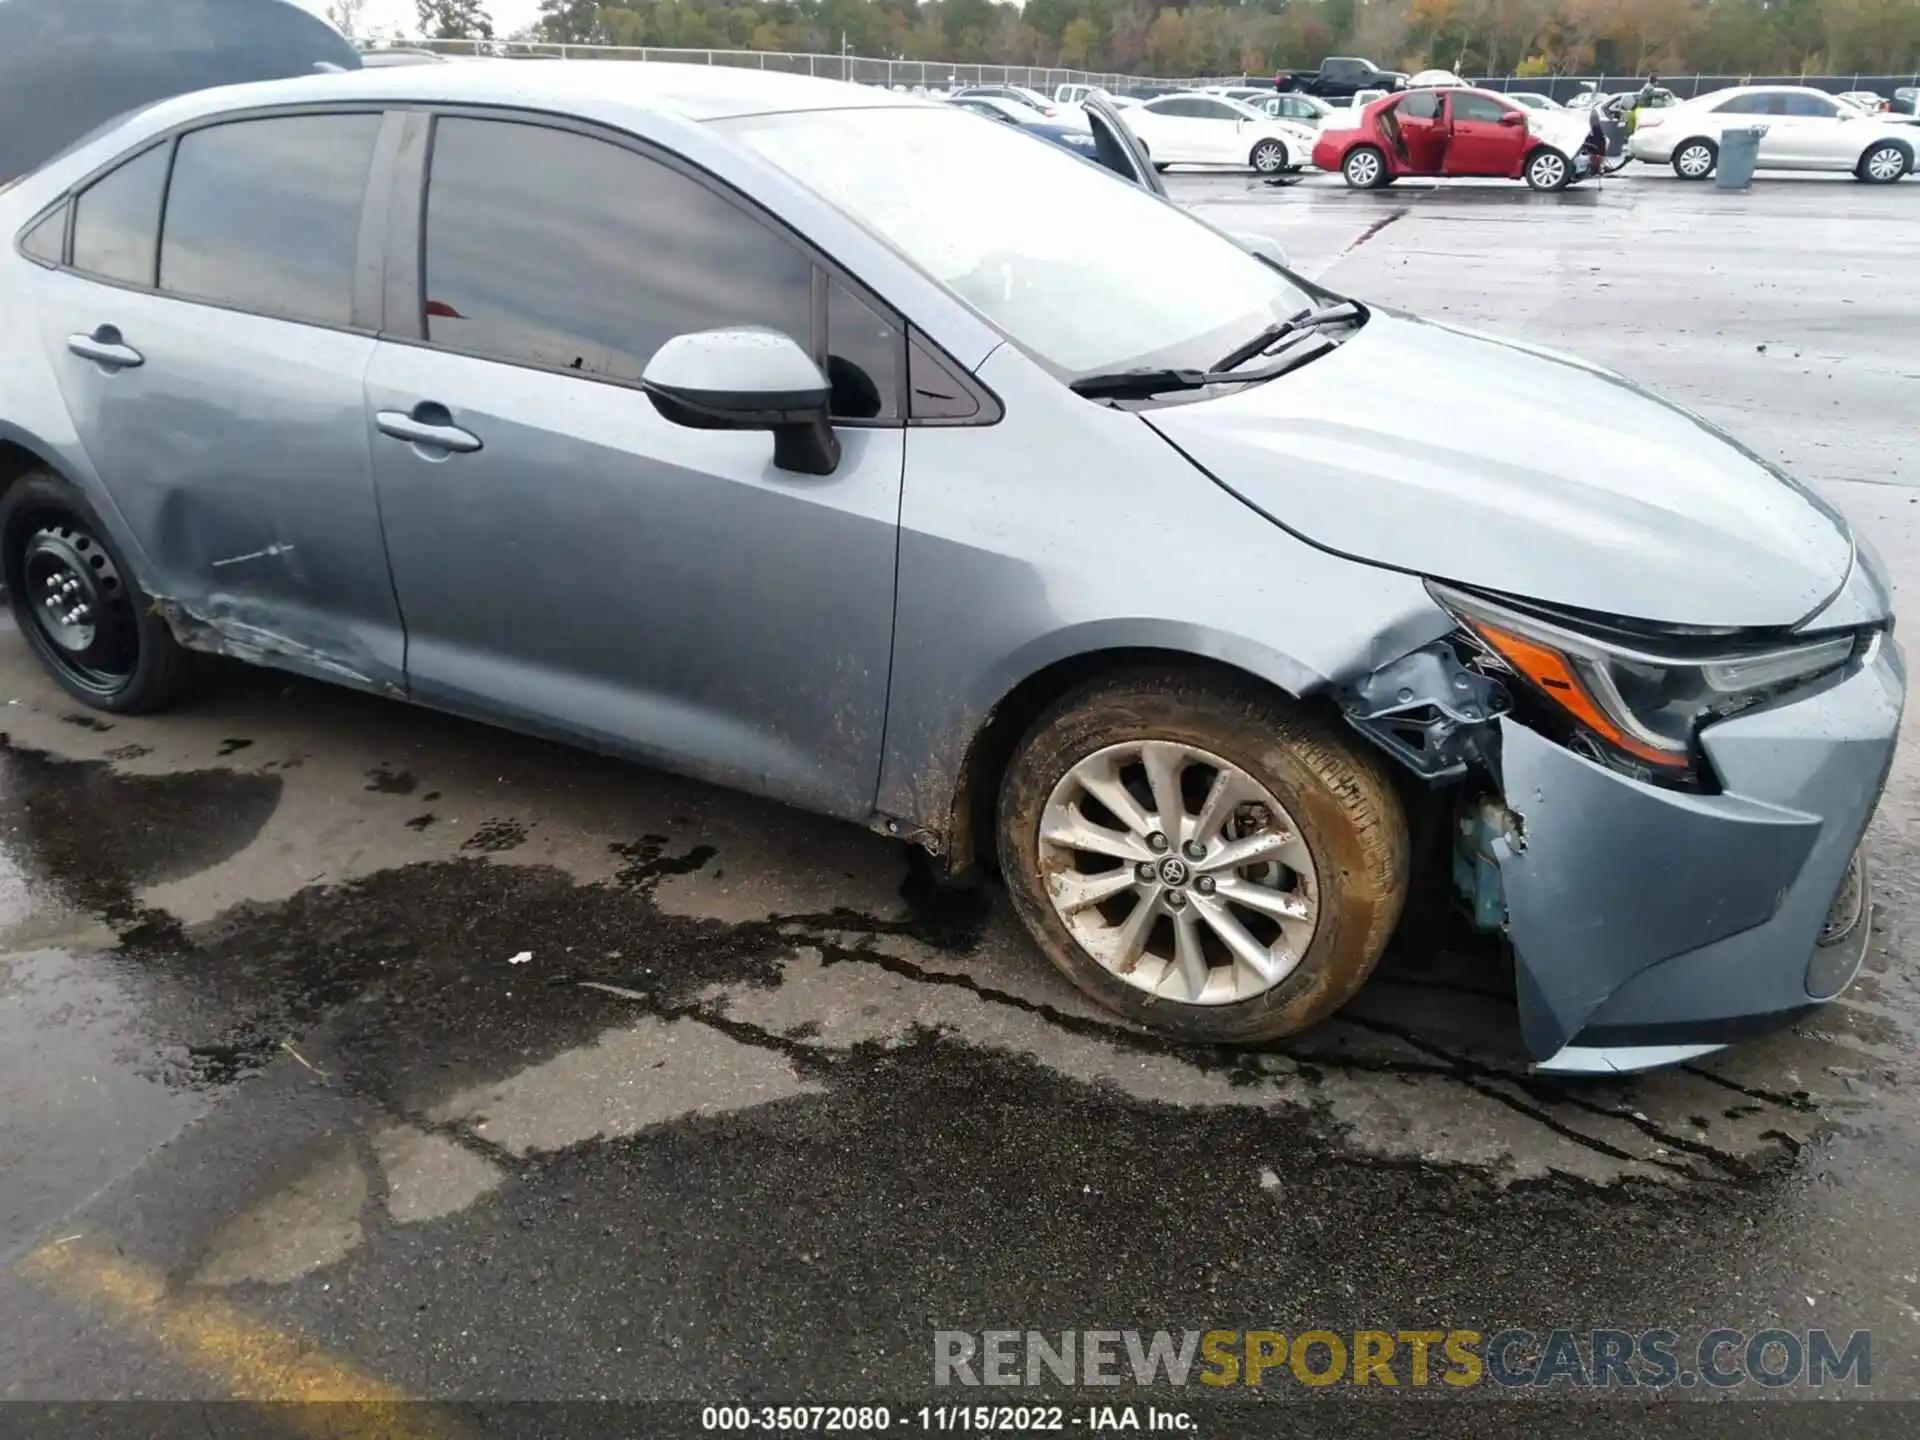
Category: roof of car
[1731,90]
[694,92]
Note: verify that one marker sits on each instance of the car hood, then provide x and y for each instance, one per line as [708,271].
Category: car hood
[1562,129]
[1510,468]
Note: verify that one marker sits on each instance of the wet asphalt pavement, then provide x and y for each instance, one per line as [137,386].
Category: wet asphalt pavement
[474,1067]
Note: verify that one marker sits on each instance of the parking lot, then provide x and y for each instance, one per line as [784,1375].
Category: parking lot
[346,1048]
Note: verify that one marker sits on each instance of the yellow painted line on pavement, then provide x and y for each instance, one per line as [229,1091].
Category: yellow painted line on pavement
[251,1361]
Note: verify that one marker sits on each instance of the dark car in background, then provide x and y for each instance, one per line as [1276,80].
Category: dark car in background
[69,66]
[1340,77]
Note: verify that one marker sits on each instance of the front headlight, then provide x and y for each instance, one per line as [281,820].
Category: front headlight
[1645,700]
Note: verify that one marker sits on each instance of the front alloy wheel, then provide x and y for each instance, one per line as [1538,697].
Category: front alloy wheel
[1201,857]
[1884,164]
[1141,889]
[1548,170]
[1269,157]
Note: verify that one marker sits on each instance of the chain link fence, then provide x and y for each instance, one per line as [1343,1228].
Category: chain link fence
[945,75]
[862,69]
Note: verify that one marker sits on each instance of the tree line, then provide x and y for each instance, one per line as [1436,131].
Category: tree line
[1526,37]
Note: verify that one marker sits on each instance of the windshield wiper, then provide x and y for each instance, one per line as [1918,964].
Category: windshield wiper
[1142,383]
[1306,320]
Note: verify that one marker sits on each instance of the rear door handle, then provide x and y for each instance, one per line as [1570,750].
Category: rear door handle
[429,425]
[106,348]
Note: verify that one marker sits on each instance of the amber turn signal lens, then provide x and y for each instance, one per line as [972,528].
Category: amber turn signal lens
[1554,677]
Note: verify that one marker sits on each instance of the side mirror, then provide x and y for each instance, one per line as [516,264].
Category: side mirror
[1264,248]
[747,380]
[1513,118]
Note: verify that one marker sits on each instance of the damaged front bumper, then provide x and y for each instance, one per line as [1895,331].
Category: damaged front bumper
[1652,925]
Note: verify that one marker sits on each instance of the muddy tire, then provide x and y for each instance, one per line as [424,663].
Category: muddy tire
[78,604]
[1317,802]
[1365,167]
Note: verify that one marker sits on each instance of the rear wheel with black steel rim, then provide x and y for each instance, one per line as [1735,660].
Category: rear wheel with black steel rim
[1269,157]
[1200,856]
[78,605]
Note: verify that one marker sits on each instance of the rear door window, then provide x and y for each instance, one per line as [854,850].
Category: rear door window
[116,222]
[47,241]
[264,215]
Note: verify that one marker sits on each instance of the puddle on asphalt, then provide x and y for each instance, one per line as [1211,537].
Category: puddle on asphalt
[633,1015]
[89,836]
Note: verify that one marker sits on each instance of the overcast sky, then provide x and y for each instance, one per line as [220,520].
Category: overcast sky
[382,16]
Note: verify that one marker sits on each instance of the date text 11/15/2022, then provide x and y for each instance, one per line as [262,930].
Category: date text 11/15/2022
[944,1419]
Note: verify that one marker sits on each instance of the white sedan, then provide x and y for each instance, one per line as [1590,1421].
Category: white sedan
[1308,110]
[1806,129]
[1196,129]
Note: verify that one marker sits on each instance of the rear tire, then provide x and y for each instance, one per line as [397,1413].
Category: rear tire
[1885,163]
[78,604]
[1695,159]
[1365,167]
[1320,810]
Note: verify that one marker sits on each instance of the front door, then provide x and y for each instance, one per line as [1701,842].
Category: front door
[217,387]
[1482,140]
[569,561]
[1802,131]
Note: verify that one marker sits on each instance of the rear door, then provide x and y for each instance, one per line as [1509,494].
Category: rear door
[1421,121]
[570,561]
[214,362]
[1167,126]
[1482,140]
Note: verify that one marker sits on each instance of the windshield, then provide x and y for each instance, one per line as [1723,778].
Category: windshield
[1083,271]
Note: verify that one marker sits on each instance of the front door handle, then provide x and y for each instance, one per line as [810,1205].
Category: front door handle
[429,425]
[106,348]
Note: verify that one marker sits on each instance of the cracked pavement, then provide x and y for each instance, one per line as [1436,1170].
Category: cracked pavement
[509,1071]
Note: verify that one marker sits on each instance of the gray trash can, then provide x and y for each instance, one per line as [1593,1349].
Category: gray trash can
[1739,154]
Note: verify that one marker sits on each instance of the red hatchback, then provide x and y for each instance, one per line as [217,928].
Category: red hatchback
[1454,132]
